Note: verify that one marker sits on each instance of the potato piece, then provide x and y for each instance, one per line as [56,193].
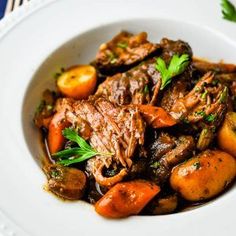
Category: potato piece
[203,176]
[66,182]
[226,136]
[78,82]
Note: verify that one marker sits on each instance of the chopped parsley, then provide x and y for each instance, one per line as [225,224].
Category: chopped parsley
[122,45]
[210,117]
[112,57]
[224,95]
[203,96]
[155,165]
[146,90]
[197,165]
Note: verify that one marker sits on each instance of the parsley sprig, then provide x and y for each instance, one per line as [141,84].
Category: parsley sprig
[177,65]
[76,154]
[228,10]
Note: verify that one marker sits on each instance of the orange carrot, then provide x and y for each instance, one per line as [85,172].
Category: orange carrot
[55,138]
[157,117]
[127,198]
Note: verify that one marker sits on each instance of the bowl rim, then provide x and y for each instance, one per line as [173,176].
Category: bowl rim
[17,17]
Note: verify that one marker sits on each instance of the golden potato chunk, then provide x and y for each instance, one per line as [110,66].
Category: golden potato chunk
[226,136]
[204,176]
[78,82]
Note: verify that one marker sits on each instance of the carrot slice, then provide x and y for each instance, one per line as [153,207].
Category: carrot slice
[157,117]
[125,199]
[55,138]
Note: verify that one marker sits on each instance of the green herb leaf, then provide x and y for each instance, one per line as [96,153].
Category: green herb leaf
[155,165]
[84,157]
[210,117]
[203,96]
[146,90]
[76,154]
[224,95]
[74,137]
[228,10]
[200,113]
[112,57]
[70,152]
[122,45]
[177,66]
[40,107]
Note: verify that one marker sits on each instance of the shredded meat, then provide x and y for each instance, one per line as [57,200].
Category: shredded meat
[204,99]
[123,51]
[113,130]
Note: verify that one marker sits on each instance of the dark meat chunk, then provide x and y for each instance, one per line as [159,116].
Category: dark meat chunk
[161,145]
[170,48]
[178,89]
[65,182]
[113,130]
[141,84]
[166,152]
[123,51]
[132,87]
[138,168]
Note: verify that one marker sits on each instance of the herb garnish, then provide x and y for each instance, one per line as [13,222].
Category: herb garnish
[40,107]
[146,90]
[155,165]
[223,95]
[209,118]
[197,165]
[203,96]
[76,154]
[112,57]
[177,66]
[228,10]
[122,45]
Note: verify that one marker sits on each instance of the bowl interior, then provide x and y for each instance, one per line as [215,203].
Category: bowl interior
[82,49]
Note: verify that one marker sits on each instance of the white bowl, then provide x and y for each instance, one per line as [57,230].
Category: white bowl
[31,53]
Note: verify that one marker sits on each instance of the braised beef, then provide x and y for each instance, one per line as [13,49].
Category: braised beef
[171,47]
[166,152]
[124,51]
[110,129]
[141,84]
[132,87]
